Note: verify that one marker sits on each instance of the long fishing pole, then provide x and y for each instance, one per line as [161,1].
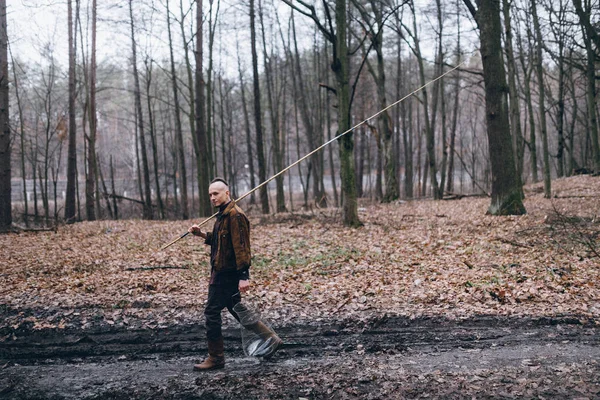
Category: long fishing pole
[317,149]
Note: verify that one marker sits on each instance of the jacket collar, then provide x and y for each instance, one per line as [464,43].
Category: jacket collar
[228,207]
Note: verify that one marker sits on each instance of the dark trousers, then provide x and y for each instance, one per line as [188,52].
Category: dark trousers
[219,297]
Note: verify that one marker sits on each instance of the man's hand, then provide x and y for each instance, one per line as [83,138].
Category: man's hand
[196,231]
[244,286]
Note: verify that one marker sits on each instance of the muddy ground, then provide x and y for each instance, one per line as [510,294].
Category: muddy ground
[379,357]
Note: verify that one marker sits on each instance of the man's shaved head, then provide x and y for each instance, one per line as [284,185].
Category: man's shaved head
[218,185]
[218,191]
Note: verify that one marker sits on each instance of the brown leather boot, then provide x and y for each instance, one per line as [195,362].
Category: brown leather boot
[216,356]
[266,334]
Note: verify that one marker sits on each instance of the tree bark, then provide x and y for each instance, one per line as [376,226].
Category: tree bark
[148,213]
[151,126]
[590,38]
[515,109]
[386,128]
[307,121]
[506,193]
[22,141]
[340,67]
[542,101]
[527,71]
[274,113]
[70,200]
[5,139]
[203,157]
[112,184]
[262,172]
[211,137]
[455,112]
[90,181]
[191,99]
[178,131]
[430,167]
[247,129]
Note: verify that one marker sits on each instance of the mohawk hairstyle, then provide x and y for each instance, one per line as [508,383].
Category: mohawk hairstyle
[219,180]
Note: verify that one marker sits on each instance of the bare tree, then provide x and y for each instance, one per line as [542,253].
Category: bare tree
[91,177]
[527,68]
[246,125]
[5,147]
[70,205]
[375,25]
[262,167]
[515,111]
[178,130]
[542,100]
[591,37]
[308,122]
[506,193]
[153,140]
[274,114]
[340,66]
[148,212]
[202,147]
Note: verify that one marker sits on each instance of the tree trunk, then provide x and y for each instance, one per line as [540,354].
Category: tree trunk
[90,181]
[151,126]
[22,141]
[572,165]
[112,185]
[506,193]
[386,129]
[70,201]
[224,146]
[105,191]
[431,167]
[307,120]
[250,164]
[542,101]
[407,140]
[560,38]
[148,213]
[527,71]
[211,137]
[274,113]
[439,93]
[5,147]
[178,131]
[444,138]
[590,37]
[203,150]
[515,109]
[340,67]
[262,172]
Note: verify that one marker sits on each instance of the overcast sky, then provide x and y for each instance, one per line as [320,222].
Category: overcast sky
[33,24]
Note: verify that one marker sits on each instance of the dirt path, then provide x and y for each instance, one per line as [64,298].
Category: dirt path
[381,358]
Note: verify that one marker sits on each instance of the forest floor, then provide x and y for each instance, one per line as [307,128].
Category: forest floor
[428,299]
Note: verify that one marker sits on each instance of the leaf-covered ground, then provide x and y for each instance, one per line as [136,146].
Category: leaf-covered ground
[438,258]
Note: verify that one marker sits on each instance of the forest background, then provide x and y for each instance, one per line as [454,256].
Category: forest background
[258,92]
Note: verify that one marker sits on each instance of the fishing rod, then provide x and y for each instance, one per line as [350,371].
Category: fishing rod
[317,149]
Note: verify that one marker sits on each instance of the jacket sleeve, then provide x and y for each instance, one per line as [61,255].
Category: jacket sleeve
[208,239]
[240,239]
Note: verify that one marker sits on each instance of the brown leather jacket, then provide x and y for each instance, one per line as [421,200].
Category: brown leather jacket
[231,236]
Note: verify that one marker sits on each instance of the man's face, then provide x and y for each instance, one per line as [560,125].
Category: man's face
[218,193]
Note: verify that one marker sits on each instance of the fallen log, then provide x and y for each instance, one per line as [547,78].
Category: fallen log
[150,268]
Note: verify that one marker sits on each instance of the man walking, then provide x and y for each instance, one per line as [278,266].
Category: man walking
[230,263]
